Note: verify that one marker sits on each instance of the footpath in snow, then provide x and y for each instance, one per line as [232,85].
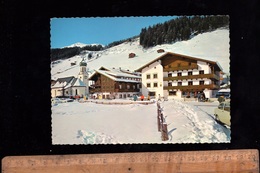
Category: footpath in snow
[92,123]
[188,123]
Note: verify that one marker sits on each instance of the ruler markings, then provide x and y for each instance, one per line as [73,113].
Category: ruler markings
[186,160]
[129,158]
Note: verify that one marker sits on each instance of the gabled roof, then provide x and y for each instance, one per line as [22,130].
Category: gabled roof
[68,82]
[116,75]
[78,82]
[180,55]
[104,68]
[63,82]
[65,79]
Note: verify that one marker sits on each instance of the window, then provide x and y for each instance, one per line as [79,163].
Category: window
[172,93]
[128,86]
[201,71]
[179,83]
[169,84]
[179,74]
[133,86]
[155,76]
[202,82]
[148,76]
[190,83]
[189,73]
[120,96]
[120,86]
[148,85]
[155,84]
[169,74]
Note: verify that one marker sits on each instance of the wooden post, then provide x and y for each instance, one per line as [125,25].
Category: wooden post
[164,132]
[158,117]
[159,123]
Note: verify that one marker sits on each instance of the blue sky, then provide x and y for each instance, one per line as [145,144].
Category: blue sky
[67,31]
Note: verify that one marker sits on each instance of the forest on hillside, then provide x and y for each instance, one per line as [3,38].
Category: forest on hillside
[179,29]
[67,52]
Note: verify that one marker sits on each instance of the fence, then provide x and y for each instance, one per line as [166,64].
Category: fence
[162,125]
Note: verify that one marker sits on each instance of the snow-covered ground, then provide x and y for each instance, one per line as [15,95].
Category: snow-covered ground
[92,123]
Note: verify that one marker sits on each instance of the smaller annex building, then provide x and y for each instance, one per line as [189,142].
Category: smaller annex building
[72,86]
[111,83]
[178,76]
[68,86]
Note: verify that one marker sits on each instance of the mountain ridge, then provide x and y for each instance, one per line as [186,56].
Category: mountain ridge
[212,46]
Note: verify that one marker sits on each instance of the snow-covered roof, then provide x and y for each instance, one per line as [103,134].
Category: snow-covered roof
[65,79]
[79,82]
[118,77]
[59,84]
[121,73]
[180,55]
[68,82]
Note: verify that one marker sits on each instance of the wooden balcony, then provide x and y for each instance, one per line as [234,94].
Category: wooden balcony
[200,76]
[95,90]
[127,90]
[190,67]
[192,87]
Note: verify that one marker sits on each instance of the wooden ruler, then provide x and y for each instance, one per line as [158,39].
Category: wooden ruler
[157,162]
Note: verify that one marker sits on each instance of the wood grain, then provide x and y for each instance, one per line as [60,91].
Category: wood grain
[220,161]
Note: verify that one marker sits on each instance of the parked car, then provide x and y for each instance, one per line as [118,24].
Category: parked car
[65,100]
[222,113]
[55,101]
[223,92]
[60,100]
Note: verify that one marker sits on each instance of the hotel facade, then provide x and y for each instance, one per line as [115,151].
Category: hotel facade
[177,76]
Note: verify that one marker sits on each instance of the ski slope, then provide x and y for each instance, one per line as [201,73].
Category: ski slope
[212,46]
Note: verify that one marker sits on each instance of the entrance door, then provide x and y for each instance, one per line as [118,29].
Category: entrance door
[152,94]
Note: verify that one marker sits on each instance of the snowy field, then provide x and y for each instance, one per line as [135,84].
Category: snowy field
[92,123]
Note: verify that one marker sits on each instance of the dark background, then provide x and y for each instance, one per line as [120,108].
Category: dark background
[25,109]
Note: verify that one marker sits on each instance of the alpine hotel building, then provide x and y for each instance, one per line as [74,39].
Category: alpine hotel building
[178,76]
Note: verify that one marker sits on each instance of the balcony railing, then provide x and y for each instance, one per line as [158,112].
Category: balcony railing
[192,87]
[193,66]
[115,90]
[127,90]
[200,76]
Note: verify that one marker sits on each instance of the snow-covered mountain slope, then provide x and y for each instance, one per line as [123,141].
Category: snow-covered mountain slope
[212,46]
[78,44]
